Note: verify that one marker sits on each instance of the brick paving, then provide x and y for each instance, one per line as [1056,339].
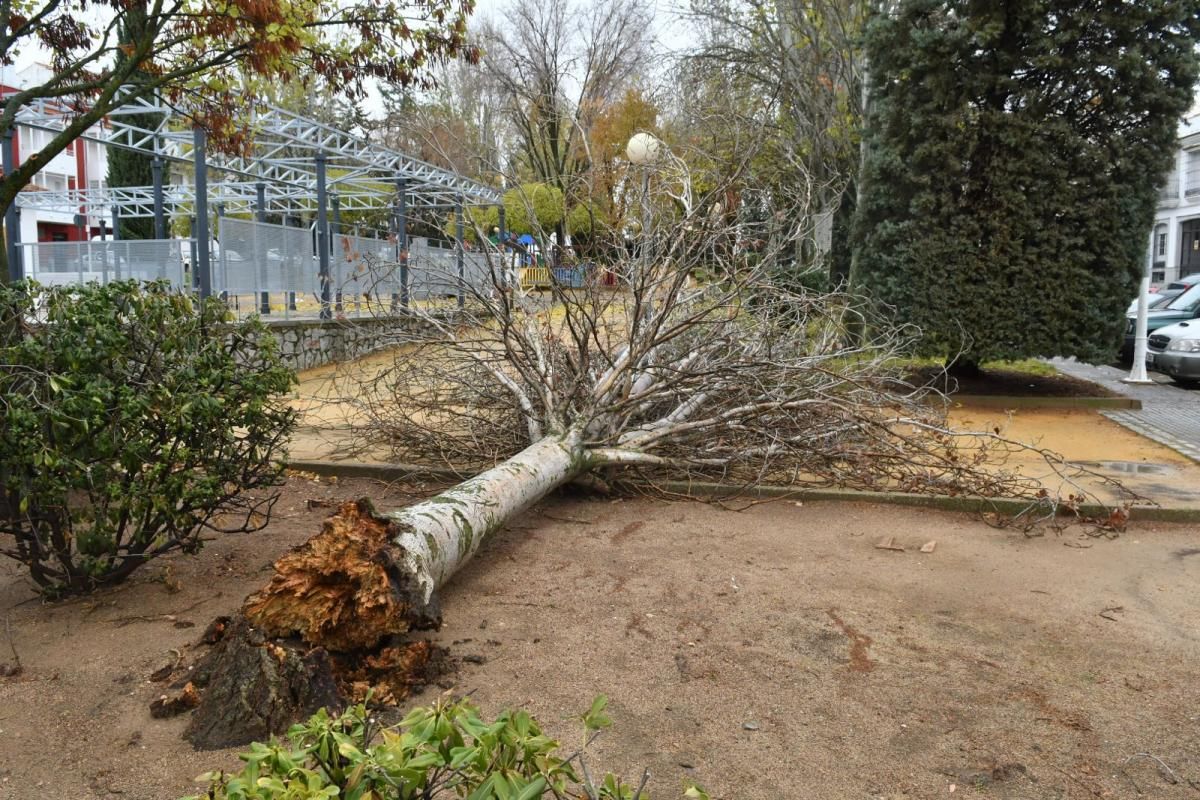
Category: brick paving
[1170,414]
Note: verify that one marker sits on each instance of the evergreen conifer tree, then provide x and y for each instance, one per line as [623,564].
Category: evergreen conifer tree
[131,167]
[1014,151]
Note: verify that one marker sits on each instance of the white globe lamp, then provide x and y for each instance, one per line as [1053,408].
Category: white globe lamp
[643,149]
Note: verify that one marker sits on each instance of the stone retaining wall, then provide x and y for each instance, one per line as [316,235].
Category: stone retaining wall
[308,343]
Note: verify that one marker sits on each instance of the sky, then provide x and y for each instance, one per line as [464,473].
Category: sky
[672,34]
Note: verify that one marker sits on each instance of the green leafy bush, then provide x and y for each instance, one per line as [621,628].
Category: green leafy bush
[130,421]
[441,751]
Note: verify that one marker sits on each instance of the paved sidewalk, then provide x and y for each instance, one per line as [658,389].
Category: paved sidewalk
[1170,414]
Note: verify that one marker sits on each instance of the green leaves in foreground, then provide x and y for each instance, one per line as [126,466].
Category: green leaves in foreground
[441,751]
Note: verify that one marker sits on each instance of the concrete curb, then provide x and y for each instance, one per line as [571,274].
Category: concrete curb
[1004,401]
[963,503]
[376,470]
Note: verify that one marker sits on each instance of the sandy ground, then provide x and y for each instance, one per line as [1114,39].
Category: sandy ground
[769,653]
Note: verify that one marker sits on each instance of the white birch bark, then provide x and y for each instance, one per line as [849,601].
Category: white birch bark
[441,534]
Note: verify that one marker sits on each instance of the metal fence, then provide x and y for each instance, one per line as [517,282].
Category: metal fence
[64,263]
[363,272]
[264,268]
[252,258]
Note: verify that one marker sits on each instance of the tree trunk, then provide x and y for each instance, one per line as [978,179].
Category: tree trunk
[371,575]
[324,630]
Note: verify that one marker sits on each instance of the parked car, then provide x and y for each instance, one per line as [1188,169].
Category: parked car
[1174,350]
[1160,296]
[1155,299]
[1184,307]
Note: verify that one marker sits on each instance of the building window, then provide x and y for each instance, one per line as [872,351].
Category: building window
[1160,244]
[1193,173]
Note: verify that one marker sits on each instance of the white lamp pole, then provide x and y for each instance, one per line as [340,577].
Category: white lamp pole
[1137,372]
[643,150]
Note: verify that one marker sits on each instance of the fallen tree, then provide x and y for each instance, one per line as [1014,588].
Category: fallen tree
[694,365]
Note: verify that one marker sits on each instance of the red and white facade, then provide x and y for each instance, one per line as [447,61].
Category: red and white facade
[83,165]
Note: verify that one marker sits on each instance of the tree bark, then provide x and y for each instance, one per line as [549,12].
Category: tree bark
[371,575]
[255,688]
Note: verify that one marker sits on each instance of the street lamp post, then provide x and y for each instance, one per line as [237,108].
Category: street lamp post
[1137,371]
[643,150]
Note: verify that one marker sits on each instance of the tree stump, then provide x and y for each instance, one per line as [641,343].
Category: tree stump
[256,687]
[325,631]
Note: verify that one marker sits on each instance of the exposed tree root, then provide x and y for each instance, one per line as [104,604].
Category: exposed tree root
[325,631]
[345,589]
[391,675]
[255,686]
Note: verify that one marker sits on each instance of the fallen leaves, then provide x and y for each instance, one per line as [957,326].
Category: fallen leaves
[890,543]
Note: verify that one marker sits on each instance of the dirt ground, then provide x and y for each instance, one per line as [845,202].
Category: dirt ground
[769,653]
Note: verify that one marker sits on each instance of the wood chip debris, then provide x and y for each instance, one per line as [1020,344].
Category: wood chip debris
[929,546]
[889,543]
[167,706]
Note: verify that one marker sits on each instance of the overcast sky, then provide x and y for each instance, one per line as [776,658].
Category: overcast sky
[671,31]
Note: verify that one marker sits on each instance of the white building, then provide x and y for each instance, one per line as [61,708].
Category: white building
[82,165]
[1175,239]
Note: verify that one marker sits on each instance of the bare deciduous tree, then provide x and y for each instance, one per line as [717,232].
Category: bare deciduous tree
[797,66]
[560,65]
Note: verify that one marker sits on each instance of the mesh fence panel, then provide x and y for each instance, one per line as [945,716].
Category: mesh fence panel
[65,263]
[262,257]
[363,270]
[478,272]
[256,262]
[432,271]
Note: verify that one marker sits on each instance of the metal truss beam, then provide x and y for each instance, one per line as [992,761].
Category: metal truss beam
[283,155]
[237,197]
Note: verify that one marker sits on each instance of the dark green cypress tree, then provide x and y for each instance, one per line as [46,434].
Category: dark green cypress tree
[130,167]
[1014,150]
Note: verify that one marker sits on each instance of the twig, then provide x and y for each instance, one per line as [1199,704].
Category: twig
[1107,613]
[1071,777]
[121,622]
[572,520]
[16,669]
[637,795]
[1165,772]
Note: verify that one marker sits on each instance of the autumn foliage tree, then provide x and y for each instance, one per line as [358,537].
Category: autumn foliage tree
[212,56]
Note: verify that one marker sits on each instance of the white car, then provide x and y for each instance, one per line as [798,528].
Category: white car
[1175,350]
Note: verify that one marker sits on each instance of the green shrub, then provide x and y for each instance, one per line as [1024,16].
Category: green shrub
[441,751]
[130,422]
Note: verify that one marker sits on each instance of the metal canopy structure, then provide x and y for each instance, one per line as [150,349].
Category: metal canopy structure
[284,149]
[292,164]
[138,201]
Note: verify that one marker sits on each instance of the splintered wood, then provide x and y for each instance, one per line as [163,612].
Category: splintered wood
[339,589]
[392,674]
